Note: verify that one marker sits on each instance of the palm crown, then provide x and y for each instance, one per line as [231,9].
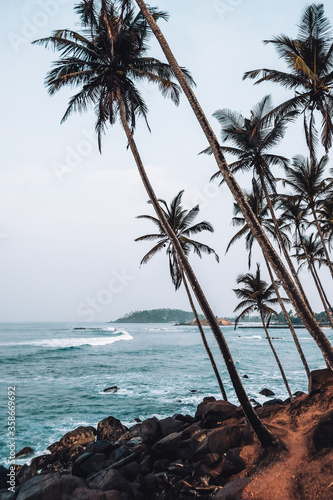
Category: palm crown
[180,221]
[106,60]
[309,60]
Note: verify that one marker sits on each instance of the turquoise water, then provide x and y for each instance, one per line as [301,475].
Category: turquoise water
[59,373]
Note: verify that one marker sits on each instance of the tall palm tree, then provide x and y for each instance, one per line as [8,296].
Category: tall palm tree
[111,94]
[180,220]
[306,178]
[310,252]
[256,295]
[261,211]
[325,216]
[252,139]
[309,61]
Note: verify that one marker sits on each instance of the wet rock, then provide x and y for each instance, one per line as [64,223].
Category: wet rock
[100,447]
[186,419]
[24,452]
[232,490]
[3,477]
[167,446]
[323,432]
[42,461]
[26,472]
[267,392]
[152,482]
[130,471]
[109,479]
[319,380]
[87,494]
[212,413]
[170,425]
[80,436]
[114,388]
[52,486]
[150,430]
[221,440]
[89,464]
[110,429]
[161,465]
[137,420]
[245,376]
[274,401]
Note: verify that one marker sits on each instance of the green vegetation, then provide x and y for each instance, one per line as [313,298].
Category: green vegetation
[158,316]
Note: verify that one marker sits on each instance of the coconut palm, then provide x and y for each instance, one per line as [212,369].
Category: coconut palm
[261,211]
[252,139]
[256,295]
[181,222]
[306,178]
[310,252]
[325,216]
[264,436]
[309,62]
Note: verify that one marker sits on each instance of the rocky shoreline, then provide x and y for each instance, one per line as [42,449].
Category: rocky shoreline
[211,455]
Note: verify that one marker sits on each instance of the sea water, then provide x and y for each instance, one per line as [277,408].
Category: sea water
[60,371]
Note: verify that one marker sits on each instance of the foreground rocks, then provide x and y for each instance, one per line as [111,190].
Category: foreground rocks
[213,455]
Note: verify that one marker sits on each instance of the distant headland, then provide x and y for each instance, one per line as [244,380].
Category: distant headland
[165,316]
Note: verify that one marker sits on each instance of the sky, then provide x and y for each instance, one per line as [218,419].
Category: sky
[68,214]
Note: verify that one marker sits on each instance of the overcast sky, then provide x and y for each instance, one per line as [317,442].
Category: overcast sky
[67,213]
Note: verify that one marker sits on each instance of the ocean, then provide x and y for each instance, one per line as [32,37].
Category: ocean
[60,371]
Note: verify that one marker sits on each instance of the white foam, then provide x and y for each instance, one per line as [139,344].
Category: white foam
[64,343]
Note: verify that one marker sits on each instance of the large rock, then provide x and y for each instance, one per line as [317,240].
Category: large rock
[215,412]
[167,446]
[24,452]
[110,429]
[323,432]
[267,392]
[319,380]
[3,477]
[232,463]
[232,490]
[89,464]
[104,447]
[222,439]
[150,430]
[110,479]
[85,494]
[52,486]
[170,425]
[81,435]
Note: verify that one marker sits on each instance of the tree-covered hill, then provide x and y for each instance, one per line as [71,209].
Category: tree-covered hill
[157,316]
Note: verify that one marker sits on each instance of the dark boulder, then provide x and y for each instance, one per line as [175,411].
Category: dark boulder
[110,479]
[232,463]
[274,401]
[167,446]
[222,439]
[24,452]
[89,464]
[87,494]
[319,380]
[25,473]
[232,490]
[212,413]
[186,419]
[161,465]
[267,392]
[150,430]
[130,471]
[42,461]
[323,432]
[104,447]
[52,486]
[81,435]
[170,425]
[3,477]
[114,388]
[110,429]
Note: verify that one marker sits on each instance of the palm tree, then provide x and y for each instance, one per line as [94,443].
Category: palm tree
[180,220]
[309,61]
[310,251]
[305,177]
[112,92]
[256,295]
[296,298]
[262,214]
[253,138]
[325,216]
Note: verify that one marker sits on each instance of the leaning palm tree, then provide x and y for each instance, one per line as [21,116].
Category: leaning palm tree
[325,216]
[252,139]
[306,178]
[310,252]
[102,61]
[295,296]
[181,222]
[309,61]
[256,295]
[261,211]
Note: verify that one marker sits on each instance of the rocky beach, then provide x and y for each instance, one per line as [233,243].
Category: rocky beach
[210,455]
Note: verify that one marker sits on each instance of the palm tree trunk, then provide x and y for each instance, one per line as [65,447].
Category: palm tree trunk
[203,337]
[313,274]
[276,357]
[329,263]
[291,327]
[282,245]
[322,289]
[264,435]
[296,298]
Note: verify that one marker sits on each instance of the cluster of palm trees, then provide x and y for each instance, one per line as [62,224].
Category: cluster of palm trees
[108,59]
